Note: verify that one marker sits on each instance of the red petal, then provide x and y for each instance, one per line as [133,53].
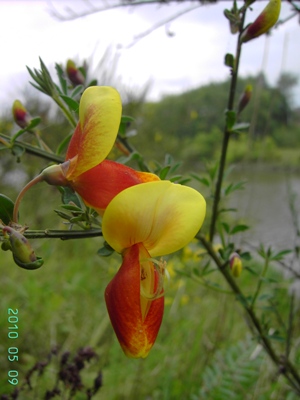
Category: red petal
[123,302]
[99,185]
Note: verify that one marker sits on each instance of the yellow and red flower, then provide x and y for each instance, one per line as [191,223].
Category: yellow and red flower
[142,222]
[85,170]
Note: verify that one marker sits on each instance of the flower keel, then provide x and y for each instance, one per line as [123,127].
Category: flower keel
[135,318]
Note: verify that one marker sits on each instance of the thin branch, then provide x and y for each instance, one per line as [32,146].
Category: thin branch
[159,24]
[120,4]
[62,234]
[35,150]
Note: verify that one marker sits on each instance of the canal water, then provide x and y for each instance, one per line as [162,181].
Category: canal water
[264,205]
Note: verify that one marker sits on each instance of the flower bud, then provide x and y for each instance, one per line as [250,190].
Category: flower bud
[235,263]
[264,22]
[20,114]
[74,74]
[23,253]
[245,98]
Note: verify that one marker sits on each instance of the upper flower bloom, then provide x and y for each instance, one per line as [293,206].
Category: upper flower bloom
[264,22]
[85,170]
[145,221]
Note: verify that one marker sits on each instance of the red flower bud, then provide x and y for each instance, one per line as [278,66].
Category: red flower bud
[74,74]
[264,22]
[21,115]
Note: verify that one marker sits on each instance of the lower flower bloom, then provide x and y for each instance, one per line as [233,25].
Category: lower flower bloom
[144,221]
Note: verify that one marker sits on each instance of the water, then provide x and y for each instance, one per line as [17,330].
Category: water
[264,206]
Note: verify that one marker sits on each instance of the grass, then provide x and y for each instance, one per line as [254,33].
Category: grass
[203,350]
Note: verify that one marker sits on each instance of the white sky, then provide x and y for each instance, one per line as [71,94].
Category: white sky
[191,57]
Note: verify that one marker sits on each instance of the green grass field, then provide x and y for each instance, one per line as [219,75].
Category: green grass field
[204,349]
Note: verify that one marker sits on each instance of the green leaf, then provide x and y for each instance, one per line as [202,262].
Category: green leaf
[62,79]
[180,181]
[279,256]
[125,122]
[251,270]
[233,187]
[72,104]
[239,228]
[6,209]
[72,208]
[226,227]
[105,251]
[17,151]
[69,196]
[240,126]
[164,172]
[78,90]
[222,210]
[205,181]
[229,60]
[63,144]
[230,118]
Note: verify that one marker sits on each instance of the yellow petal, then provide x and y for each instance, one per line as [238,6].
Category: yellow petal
[99,114]
[162,215]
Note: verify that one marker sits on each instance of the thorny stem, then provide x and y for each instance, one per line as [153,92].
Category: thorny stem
[285,366]
[226,136]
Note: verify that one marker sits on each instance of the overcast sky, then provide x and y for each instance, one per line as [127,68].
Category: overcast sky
[187,53]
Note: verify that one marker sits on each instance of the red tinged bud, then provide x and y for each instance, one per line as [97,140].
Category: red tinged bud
[74,74]
[20,114]
[264,22]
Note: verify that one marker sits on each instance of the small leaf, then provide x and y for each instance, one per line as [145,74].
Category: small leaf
[33,123]
[230,118]
[17,150]
[78,90]
[6,209]
[62,79]
[279,256]
[205,181]
[240,126]
[69,196]
[164,172]
[63,144]
[233,187]
[125,122]
[105,251]
[229,60]
[72,104]
[72,208]
[239,228]
[226,227]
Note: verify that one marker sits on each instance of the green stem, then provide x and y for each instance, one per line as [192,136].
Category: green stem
[61,234]
[67,113]
[226,136]
[35,150]
[260,281]
[34,181]
[286,367]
